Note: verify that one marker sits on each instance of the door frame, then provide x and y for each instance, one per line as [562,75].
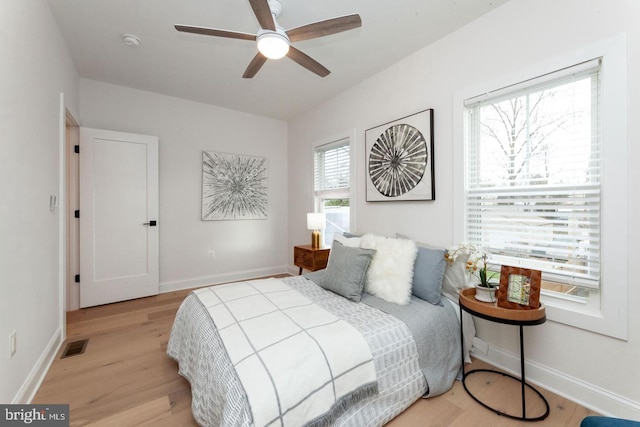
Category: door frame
[72,249]
[67,124]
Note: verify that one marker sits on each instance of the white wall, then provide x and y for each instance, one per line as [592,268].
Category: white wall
[246,248]
[35,68]
[598,371]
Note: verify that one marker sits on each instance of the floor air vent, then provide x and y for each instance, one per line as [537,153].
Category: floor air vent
[74,348]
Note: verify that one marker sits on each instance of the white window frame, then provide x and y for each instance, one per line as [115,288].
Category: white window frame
[316,201]
[606,312]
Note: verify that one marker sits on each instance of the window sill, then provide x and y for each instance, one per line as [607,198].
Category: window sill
[587,314]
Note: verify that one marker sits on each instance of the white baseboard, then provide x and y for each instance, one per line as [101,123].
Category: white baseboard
[221,278]
[588,395]
[31,385]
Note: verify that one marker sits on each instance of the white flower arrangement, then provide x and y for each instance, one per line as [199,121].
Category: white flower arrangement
[476,266]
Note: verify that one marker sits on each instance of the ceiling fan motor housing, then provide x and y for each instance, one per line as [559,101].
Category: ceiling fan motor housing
[276,8]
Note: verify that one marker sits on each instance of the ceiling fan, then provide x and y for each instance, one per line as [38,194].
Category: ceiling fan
[274,42]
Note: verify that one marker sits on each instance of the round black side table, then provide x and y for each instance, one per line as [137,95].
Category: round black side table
[493,313]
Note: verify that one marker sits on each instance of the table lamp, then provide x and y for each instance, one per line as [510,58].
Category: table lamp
[315,222]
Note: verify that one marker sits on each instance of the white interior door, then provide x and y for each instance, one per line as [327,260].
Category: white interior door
[118,216]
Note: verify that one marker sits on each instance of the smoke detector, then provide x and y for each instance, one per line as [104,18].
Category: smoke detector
[131,40]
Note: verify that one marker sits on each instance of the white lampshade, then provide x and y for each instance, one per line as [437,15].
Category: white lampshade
[273,45]
[316,221]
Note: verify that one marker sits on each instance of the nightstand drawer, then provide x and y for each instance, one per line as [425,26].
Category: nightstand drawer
[302,257]
[312,259]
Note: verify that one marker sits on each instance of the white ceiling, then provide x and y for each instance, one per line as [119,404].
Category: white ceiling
[209,69]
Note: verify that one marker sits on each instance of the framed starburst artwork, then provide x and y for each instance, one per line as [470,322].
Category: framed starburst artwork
[233,186]
[399,159]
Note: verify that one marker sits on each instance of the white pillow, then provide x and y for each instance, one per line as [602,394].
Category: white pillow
[390,274]
[455,277]
[351,242]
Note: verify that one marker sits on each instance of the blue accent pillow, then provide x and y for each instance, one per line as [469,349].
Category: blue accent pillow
[428,273]
[599,421]
[346,270]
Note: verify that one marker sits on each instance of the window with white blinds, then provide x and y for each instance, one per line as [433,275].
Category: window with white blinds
[532,174]
[331,169]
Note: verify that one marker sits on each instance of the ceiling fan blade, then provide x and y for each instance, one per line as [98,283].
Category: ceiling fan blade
[254,66]
[325,28]
[263,12]
[307,62]
[213,32]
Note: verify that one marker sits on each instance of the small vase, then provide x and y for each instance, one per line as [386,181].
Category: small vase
[485,294]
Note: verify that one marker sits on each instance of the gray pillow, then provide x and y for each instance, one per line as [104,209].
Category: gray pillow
[350,235]
[428,273]
[346,270]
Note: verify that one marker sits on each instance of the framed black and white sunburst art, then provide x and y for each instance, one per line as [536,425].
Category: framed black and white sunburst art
[233,186]
[399,160]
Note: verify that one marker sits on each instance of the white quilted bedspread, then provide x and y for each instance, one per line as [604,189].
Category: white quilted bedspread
[295,360]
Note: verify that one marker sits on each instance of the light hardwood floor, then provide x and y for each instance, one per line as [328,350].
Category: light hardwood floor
[124,377]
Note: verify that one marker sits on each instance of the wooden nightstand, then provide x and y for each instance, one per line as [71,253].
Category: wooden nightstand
[312,259]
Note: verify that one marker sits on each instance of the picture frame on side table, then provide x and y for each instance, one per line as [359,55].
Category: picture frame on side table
[519,288]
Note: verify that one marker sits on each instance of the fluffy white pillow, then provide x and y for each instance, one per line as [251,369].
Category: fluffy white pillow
[390,274]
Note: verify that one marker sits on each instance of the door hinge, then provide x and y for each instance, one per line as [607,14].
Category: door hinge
[77,278]
[76,149]
[76,213]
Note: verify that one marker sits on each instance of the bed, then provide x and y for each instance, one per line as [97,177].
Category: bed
[293,351]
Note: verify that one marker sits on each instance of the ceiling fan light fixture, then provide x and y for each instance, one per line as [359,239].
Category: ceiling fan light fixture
[273,45]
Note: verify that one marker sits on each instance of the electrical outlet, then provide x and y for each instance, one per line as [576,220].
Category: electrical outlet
[12,344]
[212,254]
